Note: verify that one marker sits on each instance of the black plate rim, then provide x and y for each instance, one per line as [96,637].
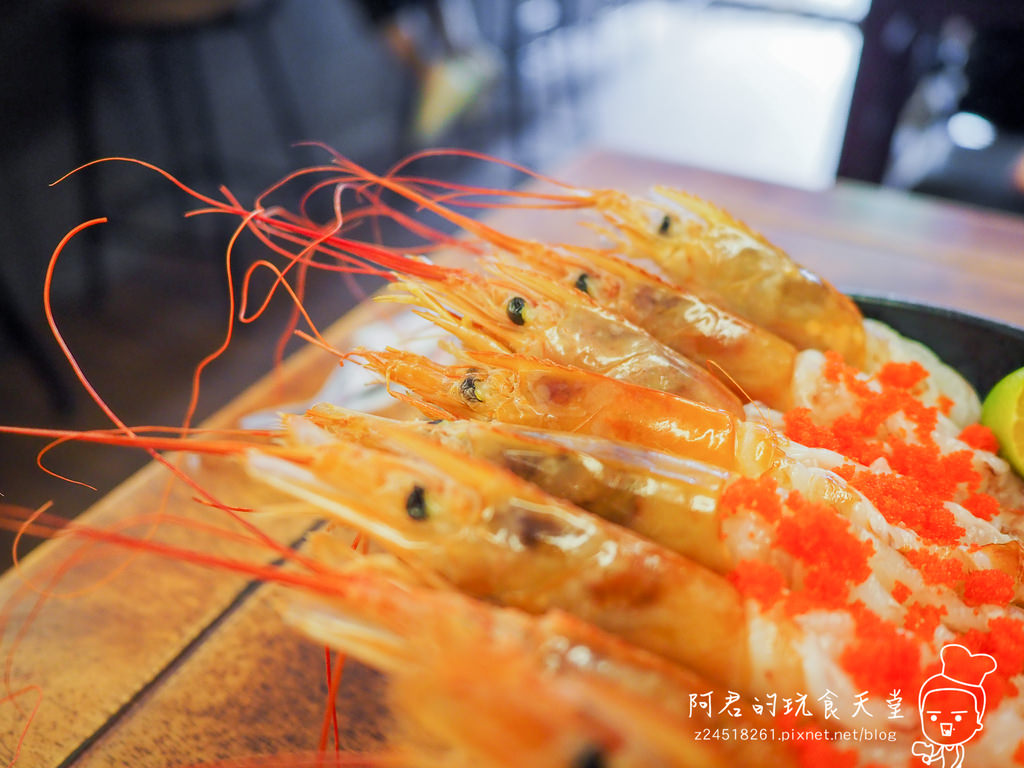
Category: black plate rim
[983,350]
[909,305]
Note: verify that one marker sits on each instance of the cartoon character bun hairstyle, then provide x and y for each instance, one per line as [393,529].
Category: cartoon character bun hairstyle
[961,670]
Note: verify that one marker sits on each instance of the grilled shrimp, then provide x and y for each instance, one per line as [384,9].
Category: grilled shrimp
[760,362]
[718,257]
[547,690]
[529,313]
[696,509]
[494,536]
[668,499]
[737,267]
[534,393]
[538,393]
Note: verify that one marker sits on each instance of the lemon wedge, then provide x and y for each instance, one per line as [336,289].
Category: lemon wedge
[1003,413]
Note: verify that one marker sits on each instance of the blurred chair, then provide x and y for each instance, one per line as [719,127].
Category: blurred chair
[171,33]
[900,41]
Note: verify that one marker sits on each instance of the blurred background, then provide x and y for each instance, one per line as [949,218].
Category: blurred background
[919,94]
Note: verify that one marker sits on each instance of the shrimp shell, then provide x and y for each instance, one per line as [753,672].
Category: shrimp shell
[530,314]
[556,688]
[759,362]
[537,393]
[722,258]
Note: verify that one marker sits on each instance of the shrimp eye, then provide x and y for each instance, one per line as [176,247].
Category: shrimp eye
[665,226]
[581,283]
[415,504]
[514,309]
[590,757]
[468,390]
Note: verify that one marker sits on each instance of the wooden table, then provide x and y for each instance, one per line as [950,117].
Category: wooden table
[165,664]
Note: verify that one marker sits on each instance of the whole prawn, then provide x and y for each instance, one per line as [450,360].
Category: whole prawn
[494,536]
[739,268]
[536,393]
[557,690]
[693,508]
[718,257]
[528,313]
[758,361]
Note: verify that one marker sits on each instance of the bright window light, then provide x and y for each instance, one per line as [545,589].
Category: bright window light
[970,131]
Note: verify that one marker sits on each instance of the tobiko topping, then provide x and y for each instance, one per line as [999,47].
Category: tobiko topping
[923,619]
[902,375]
[904,500]
[755,495]
[818,536]
[981,505]
[881,659]
[935,569]
[924,478]
[1003,641]
[900,592]
[988,586]
[759,581]
[944,404]
[980,437]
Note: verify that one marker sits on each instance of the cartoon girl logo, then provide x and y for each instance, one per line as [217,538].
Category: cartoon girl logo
[952,704]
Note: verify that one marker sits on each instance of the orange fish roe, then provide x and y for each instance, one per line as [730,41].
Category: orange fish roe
[944,404]
[822,590]
[800,426]
[1004,641]
[988,587]
[881,659]
[755,495]
[902,375]
[818,537]
[980,437]
[1018,753]
[923,619]
[941,474]
[926,478]
[903,500]
[856,435]
[981,505]
[878,405]
[935,569]
[759,581]
[836,370]
[900,592]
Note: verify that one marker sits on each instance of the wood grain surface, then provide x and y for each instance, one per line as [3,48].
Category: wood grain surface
[152,662]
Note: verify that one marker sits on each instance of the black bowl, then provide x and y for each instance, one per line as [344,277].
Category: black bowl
[983,350]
